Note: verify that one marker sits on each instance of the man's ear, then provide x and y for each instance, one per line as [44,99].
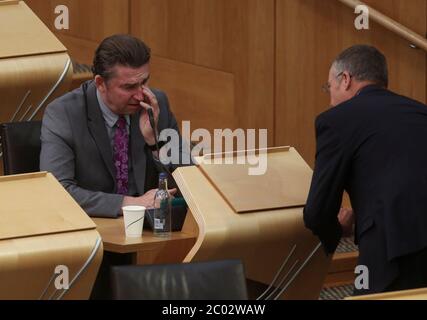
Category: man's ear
[346,78]
[100,83]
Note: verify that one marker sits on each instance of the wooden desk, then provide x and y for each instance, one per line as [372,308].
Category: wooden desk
[147,249]
[413,294]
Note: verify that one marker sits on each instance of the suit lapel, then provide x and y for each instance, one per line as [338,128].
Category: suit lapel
[138,156]
[96,125]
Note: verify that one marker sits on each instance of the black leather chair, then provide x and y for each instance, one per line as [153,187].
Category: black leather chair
[213,280]
[21,146]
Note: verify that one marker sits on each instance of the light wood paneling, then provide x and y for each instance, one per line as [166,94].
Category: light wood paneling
[341,271]
[44,9]
[148,249]
[169,252]
[413,294]
[238,37]
[210,97]
[277,51]
[28,263]
[37,74]
[31,60]
[46,230]
[59,212]
[310,34]
[113,234]
[261,239]
[90,21]
[80,50]
[17,20]
[286,171]
[231,36]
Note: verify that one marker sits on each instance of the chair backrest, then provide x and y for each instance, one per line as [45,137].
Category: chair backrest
[213,280]
[21,146]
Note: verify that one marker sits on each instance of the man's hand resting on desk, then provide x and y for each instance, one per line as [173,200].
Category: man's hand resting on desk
[146,200]
[346,219]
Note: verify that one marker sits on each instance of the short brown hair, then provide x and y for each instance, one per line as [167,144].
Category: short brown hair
[119,49]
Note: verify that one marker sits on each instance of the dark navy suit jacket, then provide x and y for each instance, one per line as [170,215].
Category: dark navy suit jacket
[374,146]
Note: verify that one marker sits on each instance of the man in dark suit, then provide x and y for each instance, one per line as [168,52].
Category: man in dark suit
[97,140]
[373,144]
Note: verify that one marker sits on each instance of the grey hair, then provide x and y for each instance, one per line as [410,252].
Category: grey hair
[364,63]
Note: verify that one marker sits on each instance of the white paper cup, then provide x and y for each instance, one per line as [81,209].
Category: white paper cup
[134,220]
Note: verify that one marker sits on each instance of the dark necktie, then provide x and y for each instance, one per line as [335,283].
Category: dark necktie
[121,146]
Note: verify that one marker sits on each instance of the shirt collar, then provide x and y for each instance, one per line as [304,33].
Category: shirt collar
[109,116]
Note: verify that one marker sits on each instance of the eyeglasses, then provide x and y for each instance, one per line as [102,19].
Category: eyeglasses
[327,86]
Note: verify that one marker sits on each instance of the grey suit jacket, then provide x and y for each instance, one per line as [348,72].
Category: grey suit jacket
[77,151]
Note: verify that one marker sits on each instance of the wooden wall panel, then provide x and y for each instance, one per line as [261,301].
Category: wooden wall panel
[90,21]
[44,10]
[212,95]
[310,34]
[231,36]
[278,53]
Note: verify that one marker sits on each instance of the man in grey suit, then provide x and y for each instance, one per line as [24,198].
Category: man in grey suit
[80,132]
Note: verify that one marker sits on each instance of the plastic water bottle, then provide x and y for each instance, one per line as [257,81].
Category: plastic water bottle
[162,208]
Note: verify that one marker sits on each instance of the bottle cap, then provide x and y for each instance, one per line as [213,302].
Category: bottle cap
[163,175]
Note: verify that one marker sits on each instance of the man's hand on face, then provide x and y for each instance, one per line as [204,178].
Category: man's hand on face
[150,101]
[346,219]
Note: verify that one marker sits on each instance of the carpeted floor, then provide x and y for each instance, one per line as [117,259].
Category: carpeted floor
[346,245]
[336,293]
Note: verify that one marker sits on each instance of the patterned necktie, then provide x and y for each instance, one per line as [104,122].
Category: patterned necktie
[121,146]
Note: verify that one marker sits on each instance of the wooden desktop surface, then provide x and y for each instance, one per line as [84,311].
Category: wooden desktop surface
[148,248]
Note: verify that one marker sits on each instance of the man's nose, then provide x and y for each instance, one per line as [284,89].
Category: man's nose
[139,94]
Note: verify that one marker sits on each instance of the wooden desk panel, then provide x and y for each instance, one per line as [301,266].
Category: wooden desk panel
[413,294]
[148,249]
